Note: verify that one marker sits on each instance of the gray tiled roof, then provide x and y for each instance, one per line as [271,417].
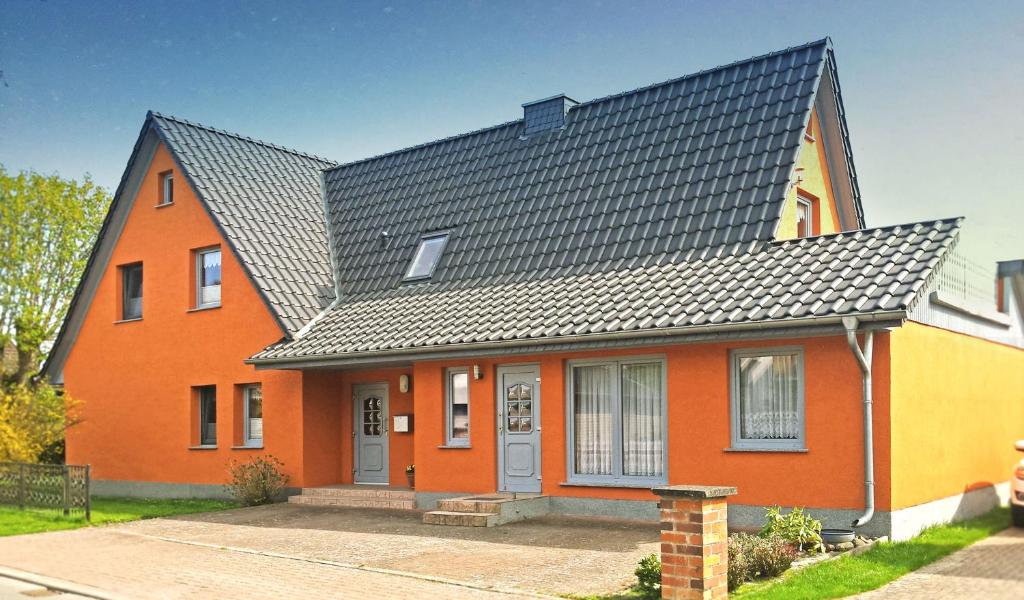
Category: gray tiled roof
[694,167]
[859,272]
[266,199]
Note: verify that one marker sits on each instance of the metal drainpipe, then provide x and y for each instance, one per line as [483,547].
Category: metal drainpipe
[864,362]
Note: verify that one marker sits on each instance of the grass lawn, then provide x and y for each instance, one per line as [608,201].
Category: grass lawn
[104,510]
[879,565]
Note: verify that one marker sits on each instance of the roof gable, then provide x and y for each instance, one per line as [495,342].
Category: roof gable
[266,201]
[695,167]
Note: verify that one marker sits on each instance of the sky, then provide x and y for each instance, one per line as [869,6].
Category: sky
[934,90]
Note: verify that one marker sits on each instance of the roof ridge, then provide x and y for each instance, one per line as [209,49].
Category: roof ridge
[954,220]
[239,136]
[825,40]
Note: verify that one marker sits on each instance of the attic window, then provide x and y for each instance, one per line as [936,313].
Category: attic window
[166,188]
[428,254]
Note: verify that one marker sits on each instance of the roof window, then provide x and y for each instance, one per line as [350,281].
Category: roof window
[428,254]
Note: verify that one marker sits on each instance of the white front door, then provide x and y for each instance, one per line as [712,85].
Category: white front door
[519,428]
[371,432]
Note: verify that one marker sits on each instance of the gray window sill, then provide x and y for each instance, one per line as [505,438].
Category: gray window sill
[119,321]
[165,204]
[643,484]
[203,447]
[767,449]
[455,447]
[248,447]
[202,308]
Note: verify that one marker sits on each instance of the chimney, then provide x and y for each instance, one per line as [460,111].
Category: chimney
[549,113]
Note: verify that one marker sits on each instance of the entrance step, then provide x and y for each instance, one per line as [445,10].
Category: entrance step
[487,510]
[356,496]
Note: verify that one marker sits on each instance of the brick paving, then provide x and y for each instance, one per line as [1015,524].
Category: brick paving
[287,550]
[992,569]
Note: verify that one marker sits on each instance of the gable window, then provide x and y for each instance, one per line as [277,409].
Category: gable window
[253,417]
[457,409]
[131,292]
[804,217]
[208,264]
[617,420]
[768,399]
[428,254]
[166,188]
[207,415]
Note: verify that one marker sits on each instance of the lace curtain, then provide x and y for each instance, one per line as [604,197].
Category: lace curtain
[641,420]
[594,390]
[769,398]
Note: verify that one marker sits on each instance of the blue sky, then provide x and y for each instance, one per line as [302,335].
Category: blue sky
[932,89]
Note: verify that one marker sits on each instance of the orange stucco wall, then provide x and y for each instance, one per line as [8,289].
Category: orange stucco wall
[957,409]
[829,474]
[134,379]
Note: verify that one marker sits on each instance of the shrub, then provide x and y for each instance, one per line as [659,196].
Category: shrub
[796,527]
[739,562]
[754,556]
[256,481]
[648,576]
[770,556]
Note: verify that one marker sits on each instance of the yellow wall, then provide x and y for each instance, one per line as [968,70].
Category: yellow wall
[816,182]
[957,407]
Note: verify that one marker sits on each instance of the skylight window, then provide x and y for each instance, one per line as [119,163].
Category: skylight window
[427,256]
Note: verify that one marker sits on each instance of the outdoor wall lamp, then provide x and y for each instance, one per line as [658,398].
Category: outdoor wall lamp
[403,383]
[476,372]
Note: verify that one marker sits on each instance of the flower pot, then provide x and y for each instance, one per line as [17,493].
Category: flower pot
[412,479]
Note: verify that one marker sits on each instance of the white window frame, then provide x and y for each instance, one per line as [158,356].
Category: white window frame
[199,277]
[247,438]
[443,235]
[449,440]
[125,270]
[738,443]
[809,222]
[203,443]
[617,478]
[166,188]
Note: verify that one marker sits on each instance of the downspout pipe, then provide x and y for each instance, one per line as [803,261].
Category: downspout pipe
[863,357]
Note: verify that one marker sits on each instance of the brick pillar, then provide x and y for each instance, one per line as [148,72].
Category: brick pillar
[694,541]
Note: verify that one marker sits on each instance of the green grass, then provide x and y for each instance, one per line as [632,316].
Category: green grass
[879,565]
[104,510]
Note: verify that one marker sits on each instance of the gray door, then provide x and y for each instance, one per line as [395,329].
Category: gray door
[371,432]
[519,428]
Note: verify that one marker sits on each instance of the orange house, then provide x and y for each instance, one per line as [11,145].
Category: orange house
[669,285]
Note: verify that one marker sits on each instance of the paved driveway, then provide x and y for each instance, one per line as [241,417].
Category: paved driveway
[991,569]
[288,550]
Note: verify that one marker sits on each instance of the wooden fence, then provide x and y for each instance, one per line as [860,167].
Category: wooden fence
[57,487]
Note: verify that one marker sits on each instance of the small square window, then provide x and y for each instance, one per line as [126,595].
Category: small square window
[768,399]
[208,267]
[131,292]
[428,254]
[253,416]
[207,415]
[166,188]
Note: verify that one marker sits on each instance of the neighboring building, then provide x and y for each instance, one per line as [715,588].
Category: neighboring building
[673,284]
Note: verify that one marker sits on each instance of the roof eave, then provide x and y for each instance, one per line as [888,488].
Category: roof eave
[879,319]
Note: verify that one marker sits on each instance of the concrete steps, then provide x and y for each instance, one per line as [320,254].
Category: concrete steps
[486,510]
[356,497]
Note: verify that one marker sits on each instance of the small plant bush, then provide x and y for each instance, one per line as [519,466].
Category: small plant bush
[648,576]
[796,527]
[256,481]
[755,556]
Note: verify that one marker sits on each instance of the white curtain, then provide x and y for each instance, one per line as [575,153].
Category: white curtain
[641,420]
[769,398]
[593,399]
